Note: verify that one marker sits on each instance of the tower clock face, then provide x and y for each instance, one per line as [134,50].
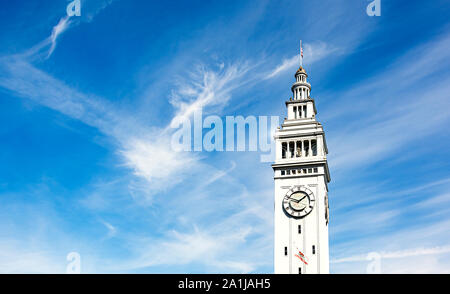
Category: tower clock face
[298,202]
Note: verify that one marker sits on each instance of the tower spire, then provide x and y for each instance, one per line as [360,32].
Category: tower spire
[301,54]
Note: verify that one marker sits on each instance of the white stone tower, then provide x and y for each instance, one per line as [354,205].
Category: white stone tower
[301,187]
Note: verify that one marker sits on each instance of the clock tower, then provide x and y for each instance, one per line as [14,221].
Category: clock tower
[301,187]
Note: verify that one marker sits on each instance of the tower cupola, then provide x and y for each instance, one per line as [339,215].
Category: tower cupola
[301,88]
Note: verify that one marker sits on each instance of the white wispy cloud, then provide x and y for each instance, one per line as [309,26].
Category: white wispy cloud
[397,254]
[440,199]
[429,231]
[147,153]
[373,135]
[206,88]
[432,260]
[193,247]
[57,30]
[234,242]
[385,116]
[151,156]
[155,161]
[431,254]
[24,80]
[15,258]
[89,10]
[312,53]
[286,64]
[112,230]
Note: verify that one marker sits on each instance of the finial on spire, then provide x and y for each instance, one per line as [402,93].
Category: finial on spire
[301,54]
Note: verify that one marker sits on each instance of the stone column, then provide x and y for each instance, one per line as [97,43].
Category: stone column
[278,151]
[320,148]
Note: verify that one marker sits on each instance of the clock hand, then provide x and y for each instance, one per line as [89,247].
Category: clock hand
[297,201]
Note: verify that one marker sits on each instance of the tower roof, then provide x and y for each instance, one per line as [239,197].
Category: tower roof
[301,70]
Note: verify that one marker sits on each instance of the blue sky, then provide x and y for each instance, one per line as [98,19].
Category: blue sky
[85,108]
